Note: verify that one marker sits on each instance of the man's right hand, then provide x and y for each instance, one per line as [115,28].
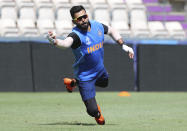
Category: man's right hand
[51,36]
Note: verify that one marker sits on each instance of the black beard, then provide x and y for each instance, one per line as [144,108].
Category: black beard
[83,27]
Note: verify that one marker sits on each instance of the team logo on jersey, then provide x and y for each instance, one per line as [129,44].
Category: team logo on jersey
[88,42]
[99,33]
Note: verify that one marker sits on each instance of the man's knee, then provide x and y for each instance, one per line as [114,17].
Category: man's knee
[91,107]
[93,112]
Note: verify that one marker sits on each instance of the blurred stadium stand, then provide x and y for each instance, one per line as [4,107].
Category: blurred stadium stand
[156,29]
[158,19]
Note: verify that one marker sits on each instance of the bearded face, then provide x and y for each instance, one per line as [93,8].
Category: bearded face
[81,20]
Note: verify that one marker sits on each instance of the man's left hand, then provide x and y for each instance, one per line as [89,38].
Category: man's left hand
[129,50]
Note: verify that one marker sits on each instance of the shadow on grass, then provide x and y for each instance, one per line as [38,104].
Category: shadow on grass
[73,123]
[70,123]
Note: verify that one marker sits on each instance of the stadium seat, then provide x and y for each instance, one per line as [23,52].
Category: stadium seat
[159,8]
[58,3]
[27,12]
[63,22]
[117,15]
[175,30]
[45,25]
[138,15]
[138,22]
[39,3]
[150,1]
[175,17]
[184,26]
[120,22]
[140,29]
[157,29]
[135,4]
[122,27]
[27,20]
[63,27]
[45,20]
[27,28]
[63,13]
[8,12]
[8,28]
[156,17]
[46,12]
[102,15]
[7,3]
[61,1]
[82,2]
[114,3]
[24,3]
[98,2]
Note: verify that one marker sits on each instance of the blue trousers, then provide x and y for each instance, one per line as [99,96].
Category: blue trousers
[87,88]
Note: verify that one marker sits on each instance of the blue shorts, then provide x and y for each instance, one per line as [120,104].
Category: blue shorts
[87,88]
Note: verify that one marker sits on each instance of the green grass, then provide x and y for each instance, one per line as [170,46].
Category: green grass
[144,111]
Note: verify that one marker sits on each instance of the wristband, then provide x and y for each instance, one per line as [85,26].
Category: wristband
[125,48]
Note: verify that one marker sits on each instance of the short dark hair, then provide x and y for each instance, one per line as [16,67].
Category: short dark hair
[76,9]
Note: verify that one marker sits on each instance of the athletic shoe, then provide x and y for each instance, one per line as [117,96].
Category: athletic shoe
[70,84]
[100,120]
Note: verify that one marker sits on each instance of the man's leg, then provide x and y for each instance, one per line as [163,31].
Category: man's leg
[93,109]
[87,91]
[102,81]
[91,106]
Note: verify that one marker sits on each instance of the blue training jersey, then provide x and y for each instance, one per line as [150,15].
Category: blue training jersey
[89,56]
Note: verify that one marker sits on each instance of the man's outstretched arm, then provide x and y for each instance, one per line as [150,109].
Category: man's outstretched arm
[66,43]
[117,37]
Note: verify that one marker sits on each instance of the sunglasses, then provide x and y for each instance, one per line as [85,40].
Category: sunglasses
[80,18]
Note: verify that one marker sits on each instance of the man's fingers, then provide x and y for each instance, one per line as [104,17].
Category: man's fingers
[131,55]
[52,34]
